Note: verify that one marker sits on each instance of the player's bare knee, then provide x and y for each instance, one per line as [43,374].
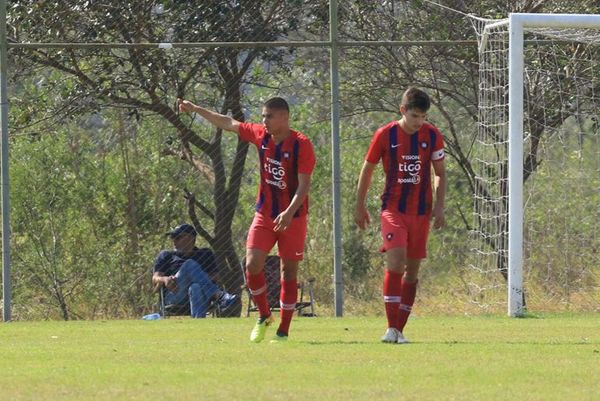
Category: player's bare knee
[289,275]
[410,277]
[289,270]
[412,270]
[396,260]
[399,269]
[253,266]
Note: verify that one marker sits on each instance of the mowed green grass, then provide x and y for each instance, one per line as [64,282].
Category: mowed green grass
[550,357]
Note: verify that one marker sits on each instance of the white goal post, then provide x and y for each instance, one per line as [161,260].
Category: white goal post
[517,25]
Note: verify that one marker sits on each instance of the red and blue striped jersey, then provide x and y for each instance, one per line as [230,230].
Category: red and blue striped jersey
[280,165]
[407,164]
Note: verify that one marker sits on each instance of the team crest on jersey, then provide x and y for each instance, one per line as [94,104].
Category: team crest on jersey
[286,155]
[424,145]
[389,236]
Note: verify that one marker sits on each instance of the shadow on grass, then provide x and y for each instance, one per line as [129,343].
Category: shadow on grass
[449,343]
[336,342]
[529,315]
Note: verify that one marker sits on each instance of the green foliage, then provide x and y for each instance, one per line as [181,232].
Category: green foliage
[100,158]
[88,210]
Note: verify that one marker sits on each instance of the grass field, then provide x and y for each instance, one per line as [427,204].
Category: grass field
[549,357]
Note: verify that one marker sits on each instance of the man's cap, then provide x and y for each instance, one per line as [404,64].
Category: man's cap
[180,229]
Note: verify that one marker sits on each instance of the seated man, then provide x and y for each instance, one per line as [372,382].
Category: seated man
[185,270]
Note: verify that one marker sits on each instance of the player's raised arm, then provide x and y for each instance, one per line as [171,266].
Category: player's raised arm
[218,120]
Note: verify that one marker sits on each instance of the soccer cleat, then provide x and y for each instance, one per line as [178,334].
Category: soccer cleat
[258,332]
[391,335]
[401,338]
[279,338]
[225,300]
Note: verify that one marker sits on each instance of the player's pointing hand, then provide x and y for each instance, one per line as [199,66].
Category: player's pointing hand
[185,106]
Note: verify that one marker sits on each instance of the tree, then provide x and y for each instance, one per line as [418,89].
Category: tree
[449,73]
[148,81]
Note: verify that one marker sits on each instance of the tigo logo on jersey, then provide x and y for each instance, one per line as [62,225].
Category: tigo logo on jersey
[412,165]
[277,172]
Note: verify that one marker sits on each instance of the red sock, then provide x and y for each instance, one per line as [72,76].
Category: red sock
[288,298]
[258,288]
[391,296]
[408,293]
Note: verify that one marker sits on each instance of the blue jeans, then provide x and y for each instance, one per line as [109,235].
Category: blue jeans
[195,284]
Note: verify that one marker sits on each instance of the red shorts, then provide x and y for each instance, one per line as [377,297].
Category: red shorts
[405,231]
[290,242]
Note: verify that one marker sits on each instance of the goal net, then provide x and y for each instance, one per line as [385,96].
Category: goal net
[537,164]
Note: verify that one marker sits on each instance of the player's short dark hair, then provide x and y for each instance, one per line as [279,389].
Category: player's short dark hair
[277,103]
[415,98]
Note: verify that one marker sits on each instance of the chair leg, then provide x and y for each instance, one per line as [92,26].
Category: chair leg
[249,304]
[299,310]
[162,303]
[312,298]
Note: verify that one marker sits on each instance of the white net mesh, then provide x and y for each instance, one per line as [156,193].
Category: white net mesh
[561,169]
[103,164]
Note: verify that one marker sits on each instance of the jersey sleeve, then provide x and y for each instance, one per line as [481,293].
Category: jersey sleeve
[437,153]
[376,147]
[250,132]
[306,159]
[162,261]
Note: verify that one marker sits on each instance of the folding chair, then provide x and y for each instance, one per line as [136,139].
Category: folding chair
[182,309]
[273,278]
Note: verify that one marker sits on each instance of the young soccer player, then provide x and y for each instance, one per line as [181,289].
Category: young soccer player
[408,148]
[287,160]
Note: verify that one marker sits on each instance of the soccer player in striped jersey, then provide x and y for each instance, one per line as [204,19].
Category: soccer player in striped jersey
[410,150]
[287,161]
